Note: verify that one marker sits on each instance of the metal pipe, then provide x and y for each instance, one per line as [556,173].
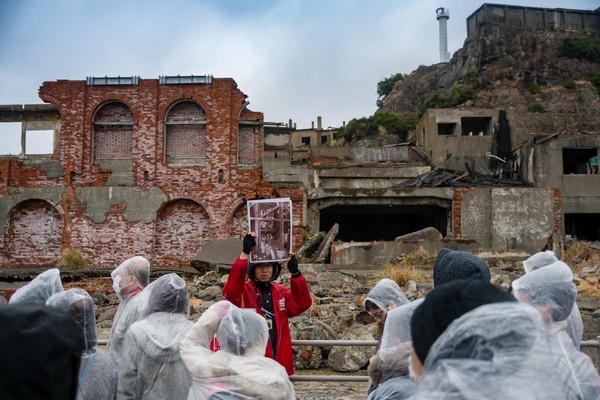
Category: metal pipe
[334,342]
[329,378]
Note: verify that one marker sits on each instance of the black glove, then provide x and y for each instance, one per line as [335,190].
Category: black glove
[292,265]
[248,243]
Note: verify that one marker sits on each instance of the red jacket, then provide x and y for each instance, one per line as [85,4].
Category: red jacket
[286,303]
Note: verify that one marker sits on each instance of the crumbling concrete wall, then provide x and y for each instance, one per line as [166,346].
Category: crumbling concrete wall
[509,218]
[140,203]
[580,193]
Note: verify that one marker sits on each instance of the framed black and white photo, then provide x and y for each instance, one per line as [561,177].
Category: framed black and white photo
[271,220]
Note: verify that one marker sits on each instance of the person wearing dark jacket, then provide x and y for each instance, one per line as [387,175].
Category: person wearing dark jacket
[275,302]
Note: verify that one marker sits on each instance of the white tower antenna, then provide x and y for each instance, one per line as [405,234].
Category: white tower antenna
[443,15]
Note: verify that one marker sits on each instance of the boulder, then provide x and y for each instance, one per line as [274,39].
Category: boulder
[353,358]
[210,293]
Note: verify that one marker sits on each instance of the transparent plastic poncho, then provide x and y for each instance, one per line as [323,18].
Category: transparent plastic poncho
[239,369]
[129,280]
[386,294]
[97,373]
[39,289]
[497,351]
[574,321]
[551,290]
[151,365]
[393,354]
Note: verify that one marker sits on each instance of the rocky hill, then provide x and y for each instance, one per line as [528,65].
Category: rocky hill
[514,68]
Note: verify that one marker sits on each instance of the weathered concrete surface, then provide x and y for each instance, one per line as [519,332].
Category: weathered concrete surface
[427,233]
[379,253]
[219,253]
[141,204]
[323,252]
[511,218]
[52,168]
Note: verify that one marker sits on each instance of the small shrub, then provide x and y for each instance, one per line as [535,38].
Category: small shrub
[537,107]
[569,84]
[584,49]
[72,259]
[595,79]
[533,88]
[410,267]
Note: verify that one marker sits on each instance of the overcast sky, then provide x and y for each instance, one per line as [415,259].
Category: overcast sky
[293,58]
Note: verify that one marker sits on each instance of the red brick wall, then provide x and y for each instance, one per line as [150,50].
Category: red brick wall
[186,140]
[181,228]
[34,230]
[239,222]
[247,151]
[113,142]
[203,201]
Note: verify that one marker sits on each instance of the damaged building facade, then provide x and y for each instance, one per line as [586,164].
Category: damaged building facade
[378,193]
[152,167]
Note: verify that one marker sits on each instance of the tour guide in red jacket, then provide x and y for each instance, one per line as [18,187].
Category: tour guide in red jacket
[273,301]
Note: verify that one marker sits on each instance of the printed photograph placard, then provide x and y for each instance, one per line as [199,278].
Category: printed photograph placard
[271,220]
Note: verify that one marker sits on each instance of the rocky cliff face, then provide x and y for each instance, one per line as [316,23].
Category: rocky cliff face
[500,63]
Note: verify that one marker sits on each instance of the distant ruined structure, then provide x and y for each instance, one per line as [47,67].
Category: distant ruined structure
[532,17]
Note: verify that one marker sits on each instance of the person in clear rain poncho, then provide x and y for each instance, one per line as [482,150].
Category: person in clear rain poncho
[385,295]
[551,291]
[392,380]
[151,366]
[574,322]
[97,373]
[239,370]
[39,289]
[129,280]
[496,351]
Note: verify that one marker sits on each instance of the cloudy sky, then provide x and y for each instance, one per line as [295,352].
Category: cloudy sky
[293,58]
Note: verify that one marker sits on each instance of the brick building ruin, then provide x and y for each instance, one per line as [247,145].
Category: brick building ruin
[152,167]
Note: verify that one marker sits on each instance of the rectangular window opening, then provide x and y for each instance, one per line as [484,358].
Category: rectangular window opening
[39,142]
[476,126]
[324,139]
[10,138]
[580,161]
[306,141]
[583,226]
[446,129]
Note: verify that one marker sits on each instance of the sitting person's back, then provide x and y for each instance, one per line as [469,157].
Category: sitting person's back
[239,368]
[151,366]
[97,373]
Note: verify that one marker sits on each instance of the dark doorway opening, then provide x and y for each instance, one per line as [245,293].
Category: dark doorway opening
[365,223]
[583,226]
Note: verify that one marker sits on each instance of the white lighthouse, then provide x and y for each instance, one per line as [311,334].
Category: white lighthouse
[443,15]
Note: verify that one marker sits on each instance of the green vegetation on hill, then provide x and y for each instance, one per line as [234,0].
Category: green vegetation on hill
[585,49]
[385,86]
[459,95]
[384,122]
